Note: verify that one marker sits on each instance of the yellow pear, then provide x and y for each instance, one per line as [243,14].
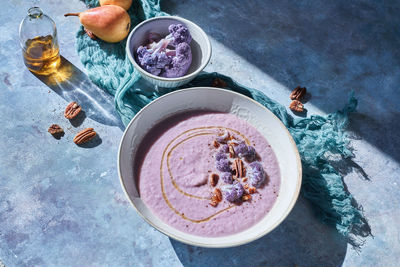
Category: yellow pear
[125,4]
[110,23]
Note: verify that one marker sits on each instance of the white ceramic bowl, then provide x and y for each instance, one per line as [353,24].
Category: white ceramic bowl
[202,98]
[200,46]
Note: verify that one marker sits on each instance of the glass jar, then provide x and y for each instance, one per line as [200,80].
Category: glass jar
[38,38]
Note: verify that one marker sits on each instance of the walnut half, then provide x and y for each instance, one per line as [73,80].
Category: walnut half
[56,131]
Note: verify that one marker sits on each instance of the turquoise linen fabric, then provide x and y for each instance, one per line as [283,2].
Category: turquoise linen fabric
[108,67]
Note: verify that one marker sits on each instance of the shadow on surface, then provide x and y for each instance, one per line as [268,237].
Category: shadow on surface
[76,122]
[345,166]
[299,239]
[382,132]
[73,85]
[330,47]
[92,143]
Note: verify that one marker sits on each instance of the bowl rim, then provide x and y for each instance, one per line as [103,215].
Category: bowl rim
[231,244]
[187,76]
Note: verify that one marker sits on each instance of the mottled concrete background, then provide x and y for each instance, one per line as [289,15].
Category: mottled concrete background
[62,205]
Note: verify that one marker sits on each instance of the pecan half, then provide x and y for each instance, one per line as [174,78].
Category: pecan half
[56,130]
[90,34]
[214,179]
[246,197]
[219,83]
[239,168]
[235,169]
[242,169]
[298,93]
[297,106]
[84,136]
[72,110]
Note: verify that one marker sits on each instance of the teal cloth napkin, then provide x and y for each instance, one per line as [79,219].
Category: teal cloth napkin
[108,67]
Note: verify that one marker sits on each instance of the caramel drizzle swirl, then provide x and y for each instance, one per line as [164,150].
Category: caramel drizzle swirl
[169,167]
[190,135]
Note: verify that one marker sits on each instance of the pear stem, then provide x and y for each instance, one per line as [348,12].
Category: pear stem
[71,14]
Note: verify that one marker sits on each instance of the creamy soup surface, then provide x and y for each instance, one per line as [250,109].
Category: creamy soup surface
[207,173]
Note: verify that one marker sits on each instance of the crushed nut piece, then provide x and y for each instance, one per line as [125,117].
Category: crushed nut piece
[246,197]
[216,197]
[252,190]
[84,136]
[56,130]
[213,203]
[234,174]
[218,194]
[72,110]
[219,83]
[233,141]
[298,93]
[297,106]
[244,179]
[246,186]
[214,179]
[216,144]
[223,136]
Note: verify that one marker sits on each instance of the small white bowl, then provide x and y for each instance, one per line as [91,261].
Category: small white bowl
[200,46]
[203,98]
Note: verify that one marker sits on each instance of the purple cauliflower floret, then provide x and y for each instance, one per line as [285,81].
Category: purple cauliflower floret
[149,63]
[232,192]
[224,149]
[227,177]
[170,57]
[163,60]
[244,151]
[256,174]
[141,51]
[178,33]
[241,148]
[220,155]
[251,154]
[223,165]
[180,62]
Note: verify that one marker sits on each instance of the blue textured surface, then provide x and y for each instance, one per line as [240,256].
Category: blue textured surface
[63,205]
[109,67]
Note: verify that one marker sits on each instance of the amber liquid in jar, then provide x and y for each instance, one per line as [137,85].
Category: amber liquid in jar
[41,56]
